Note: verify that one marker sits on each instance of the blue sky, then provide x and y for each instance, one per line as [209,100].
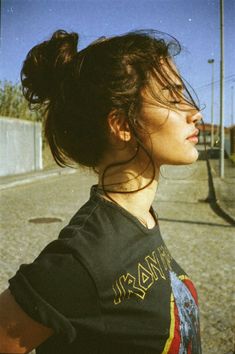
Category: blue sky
[195,23]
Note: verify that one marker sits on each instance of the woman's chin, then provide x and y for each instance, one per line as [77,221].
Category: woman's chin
[192,157]
[186,159]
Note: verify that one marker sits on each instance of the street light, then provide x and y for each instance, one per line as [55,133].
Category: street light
[211,61]
[221,167]
[232,96]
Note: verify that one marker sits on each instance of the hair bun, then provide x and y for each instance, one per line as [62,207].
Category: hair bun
[46,65]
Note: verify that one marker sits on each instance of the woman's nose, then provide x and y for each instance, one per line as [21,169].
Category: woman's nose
[195,117]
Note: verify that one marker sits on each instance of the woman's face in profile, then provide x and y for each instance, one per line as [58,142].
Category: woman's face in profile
[168,129]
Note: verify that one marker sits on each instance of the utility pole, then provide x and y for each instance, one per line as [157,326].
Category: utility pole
[211,61]
[221,167]
[232,97]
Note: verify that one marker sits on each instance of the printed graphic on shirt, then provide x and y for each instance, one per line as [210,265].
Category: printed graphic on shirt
[154,267]
[185,329]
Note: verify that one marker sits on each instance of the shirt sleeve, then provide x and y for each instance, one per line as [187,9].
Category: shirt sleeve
[56,289]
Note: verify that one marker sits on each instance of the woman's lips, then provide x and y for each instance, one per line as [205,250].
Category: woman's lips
[194,137]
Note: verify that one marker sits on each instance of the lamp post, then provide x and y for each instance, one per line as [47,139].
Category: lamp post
[232,96]
[221,167]
[211,61]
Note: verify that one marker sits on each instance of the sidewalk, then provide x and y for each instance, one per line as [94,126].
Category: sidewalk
[224,187]
[16,180]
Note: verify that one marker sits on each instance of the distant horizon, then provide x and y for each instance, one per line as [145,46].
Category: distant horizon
[196,24]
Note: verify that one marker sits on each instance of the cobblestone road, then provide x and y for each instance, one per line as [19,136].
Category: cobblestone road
[201,241]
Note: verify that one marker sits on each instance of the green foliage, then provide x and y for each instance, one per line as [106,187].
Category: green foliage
[14,105]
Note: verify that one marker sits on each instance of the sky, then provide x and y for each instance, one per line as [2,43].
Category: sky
[195,23]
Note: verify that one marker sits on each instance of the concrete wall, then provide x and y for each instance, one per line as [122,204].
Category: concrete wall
[227,144]
[232,139]
[20,146]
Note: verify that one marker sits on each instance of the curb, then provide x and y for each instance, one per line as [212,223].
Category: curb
[24,179]
[215,201]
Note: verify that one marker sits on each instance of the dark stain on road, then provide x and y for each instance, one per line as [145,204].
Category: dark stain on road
[45,220]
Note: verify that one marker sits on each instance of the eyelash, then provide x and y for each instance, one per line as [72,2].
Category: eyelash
[174,102]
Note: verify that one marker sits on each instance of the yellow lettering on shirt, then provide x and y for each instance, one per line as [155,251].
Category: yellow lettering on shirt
[148,272]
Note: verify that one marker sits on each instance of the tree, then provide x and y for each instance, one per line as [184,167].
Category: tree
[14,105]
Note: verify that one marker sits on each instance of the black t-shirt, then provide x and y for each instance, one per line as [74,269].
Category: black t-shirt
[109,285]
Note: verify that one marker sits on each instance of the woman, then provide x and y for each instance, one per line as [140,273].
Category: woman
[108,284]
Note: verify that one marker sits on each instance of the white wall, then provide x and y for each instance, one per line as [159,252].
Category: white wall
[20,146]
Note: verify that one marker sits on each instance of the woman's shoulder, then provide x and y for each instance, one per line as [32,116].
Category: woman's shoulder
[94,218]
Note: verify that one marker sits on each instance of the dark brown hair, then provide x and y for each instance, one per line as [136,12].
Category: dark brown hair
[79,89]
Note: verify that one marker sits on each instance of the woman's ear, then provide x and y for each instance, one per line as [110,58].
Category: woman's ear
[119,126]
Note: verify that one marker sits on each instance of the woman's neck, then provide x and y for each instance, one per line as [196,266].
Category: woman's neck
[117,185]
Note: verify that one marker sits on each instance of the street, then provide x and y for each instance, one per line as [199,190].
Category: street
[201,241]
